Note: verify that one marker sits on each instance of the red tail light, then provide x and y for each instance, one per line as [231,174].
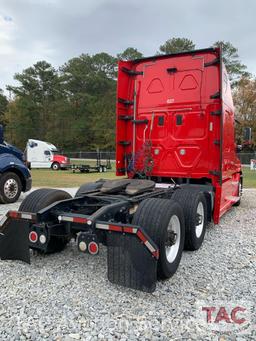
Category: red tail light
[33,237]
[93,248]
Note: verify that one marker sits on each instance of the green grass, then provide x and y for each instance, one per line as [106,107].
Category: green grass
[50,178]
[66,178]
[249,177]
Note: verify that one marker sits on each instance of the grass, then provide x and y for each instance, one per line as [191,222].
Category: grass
[249,177]
[66,178]
[50,178]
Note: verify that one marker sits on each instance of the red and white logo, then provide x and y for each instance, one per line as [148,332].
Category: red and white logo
[225,316]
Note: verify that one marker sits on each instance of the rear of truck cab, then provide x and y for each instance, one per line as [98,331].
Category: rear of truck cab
[175,120]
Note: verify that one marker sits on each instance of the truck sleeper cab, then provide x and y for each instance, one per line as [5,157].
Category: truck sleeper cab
[41,154]
[175,120]
[175,144]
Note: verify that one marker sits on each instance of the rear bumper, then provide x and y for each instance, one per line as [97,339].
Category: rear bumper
[132,255]
[28,184]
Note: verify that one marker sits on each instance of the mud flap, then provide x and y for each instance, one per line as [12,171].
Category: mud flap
[14,240]
[130,263]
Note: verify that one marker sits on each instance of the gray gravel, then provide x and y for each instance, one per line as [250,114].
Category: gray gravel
[67,296]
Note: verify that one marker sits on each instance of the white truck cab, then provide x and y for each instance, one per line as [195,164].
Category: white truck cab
[41,154]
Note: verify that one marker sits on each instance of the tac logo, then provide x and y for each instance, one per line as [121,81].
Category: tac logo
[225,316]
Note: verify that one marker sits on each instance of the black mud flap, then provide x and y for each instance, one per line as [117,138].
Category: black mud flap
[130,263]
[14,240]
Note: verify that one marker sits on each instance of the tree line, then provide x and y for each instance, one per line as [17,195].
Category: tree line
[73,106]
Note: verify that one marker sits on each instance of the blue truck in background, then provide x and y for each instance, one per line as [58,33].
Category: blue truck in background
[15,177]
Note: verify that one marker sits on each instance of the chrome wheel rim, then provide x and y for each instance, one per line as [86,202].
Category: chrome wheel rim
[55,166]
[172,244]
[200,219]
[11,188]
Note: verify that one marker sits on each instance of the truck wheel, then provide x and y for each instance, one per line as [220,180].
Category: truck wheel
[10,188]
[163,221]
[55,166]
[40,199]
[195,211]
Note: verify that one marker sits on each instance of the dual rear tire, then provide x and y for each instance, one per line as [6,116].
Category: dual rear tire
[194,206]
[173,224]
[163,221]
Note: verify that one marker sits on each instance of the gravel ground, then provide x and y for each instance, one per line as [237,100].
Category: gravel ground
[67,296]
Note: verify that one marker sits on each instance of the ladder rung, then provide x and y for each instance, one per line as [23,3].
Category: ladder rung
[125,117]
[125,143]
[125,101]
[140,121]
[132,72]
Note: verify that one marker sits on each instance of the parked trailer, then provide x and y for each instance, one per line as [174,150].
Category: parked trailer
[88,168]
[175,141]
[99,167]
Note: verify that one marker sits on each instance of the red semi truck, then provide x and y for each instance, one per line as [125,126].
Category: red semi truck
[175,144]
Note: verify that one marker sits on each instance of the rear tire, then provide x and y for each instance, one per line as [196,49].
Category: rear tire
[163,221]
[39,199]
[10,188]
[194,207]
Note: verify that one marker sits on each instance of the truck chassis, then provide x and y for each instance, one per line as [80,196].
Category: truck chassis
[92,218]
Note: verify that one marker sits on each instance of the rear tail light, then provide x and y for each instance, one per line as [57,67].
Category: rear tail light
[93,248]
[33,237]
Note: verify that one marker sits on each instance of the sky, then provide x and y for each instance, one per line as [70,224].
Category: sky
[57,30]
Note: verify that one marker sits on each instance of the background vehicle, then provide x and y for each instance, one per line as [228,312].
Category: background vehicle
[14,175]
[41,154]
[175,141]
[99,166]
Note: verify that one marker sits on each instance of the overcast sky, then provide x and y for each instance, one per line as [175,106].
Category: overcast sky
[57,30]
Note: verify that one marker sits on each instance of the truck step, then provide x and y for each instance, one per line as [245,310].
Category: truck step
[140,121]
[125,117]
[124,143]
[126,102]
